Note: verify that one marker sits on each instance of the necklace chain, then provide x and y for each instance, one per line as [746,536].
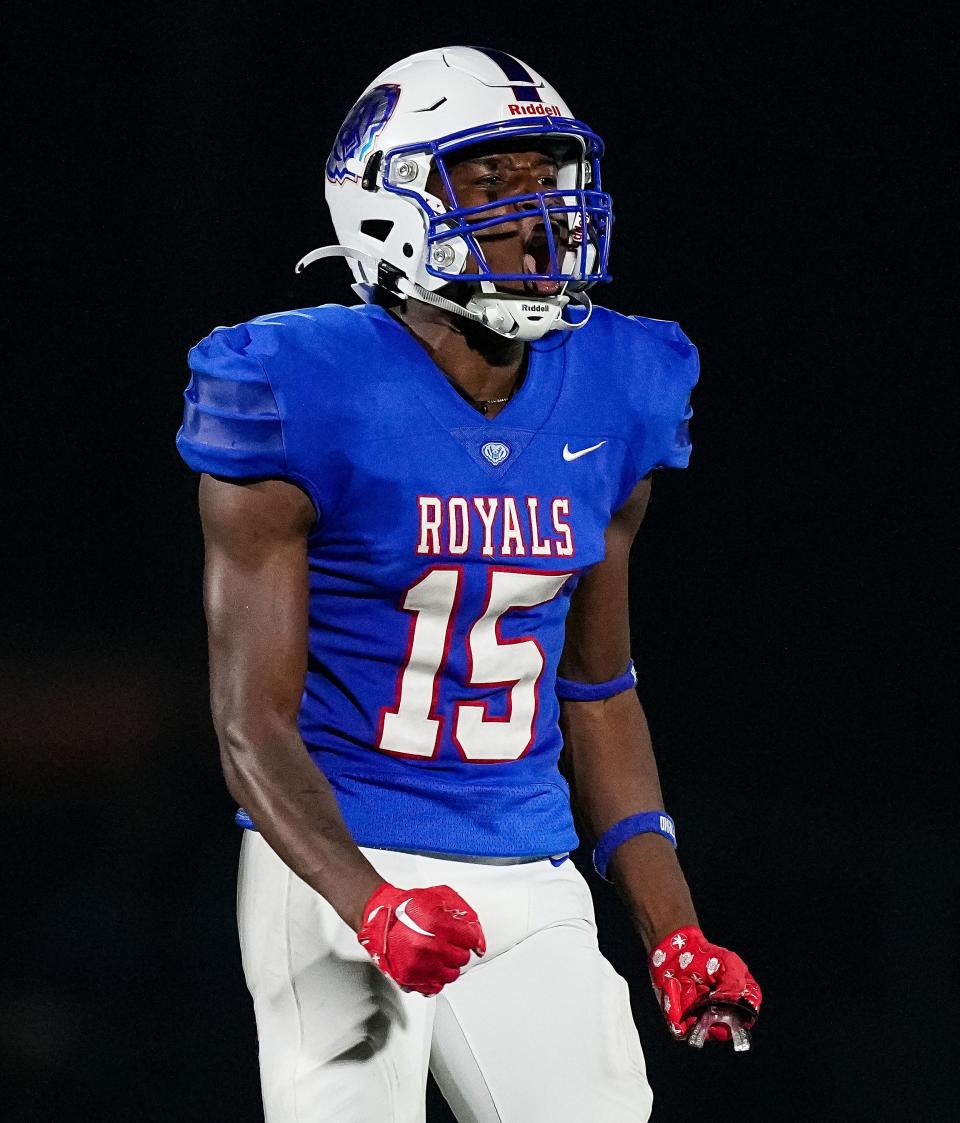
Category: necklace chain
[483,403]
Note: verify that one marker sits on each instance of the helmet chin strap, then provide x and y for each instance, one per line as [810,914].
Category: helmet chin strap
[523,316]
[517,316]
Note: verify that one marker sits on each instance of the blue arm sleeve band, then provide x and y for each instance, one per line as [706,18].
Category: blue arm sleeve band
[593,691]
[646,822]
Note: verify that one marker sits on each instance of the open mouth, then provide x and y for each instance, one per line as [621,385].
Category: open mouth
[536,259]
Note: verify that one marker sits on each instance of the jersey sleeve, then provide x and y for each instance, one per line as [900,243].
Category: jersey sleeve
[263,398]
[671,367]
[231,421]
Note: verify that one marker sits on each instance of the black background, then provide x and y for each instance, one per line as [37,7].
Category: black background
[777,174]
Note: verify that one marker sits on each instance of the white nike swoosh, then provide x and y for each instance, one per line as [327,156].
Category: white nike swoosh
[568,455]
[408,920]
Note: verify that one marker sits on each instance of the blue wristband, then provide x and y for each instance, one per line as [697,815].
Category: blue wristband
[646,822]
[594,691]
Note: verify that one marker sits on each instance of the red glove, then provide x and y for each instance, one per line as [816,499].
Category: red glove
[688,972]
[420,937]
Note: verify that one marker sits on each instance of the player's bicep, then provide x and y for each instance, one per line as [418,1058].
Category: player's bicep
[255,594]
[597,640]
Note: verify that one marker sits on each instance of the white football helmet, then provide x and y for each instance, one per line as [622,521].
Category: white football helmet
[409,122]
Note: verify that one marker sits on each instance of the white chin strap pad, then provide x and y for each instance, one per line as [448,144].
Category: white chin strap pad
[526,318]
[523,318]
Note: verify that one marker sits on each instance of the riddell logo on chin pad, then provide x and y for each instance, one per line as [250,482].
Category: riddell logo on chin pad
[534,109]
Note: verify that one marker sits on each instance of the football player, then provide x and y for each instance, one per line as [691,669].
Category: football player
[418,512]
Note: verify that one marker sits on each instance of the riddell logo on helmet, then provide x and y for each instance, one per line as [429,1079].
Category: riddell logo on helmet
[534,109]
[534,307]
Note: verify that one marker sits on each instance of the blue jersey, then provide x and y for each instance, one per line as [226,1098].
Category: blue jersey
[445,549]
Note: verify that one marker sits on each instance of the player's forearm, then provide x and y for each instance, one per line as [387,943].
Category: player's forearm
[613,775]
[269,773]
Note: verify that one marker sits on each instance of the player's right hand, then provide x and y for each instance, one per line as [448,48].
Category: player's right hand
[421,938]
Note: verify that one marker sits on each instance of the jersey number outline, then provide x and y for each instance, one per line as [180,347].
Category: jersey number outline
[412,727]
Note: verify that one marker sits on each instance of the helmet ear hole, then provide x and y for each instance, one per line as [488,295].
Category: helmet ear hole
[378,228]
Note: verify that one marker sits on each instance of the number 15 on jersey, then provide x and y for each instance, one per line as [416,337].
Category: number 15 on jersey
[411,727]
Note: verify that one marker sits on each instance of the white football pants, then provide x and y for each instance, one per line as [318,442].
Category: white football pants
[537,1031]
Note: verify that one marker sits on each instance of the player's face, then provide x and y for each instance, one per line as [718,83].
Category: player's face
[518,246]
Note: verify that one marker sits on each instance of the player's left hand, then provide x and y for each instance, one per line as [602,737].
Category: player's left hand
[688,972]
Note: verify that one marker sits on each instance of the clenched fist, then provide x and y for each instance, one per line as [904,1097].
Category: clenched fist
[421,938]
